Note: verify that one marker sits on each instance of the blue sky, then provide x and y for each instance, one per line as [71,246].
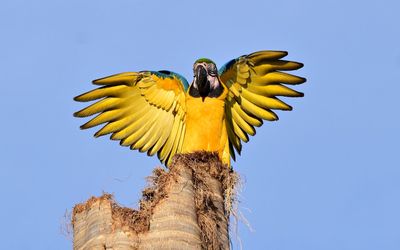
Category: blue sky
[325,176]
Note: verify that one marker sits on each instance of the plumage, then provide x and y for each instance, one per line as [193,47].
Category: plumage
[158,112]
[274,90]
[246,127]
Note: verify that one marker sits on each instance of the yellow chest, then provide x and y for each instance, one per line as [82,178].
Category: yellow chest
[205,125]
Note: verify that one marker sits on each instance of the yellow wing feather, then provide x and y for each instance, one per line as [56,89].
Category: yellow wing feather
[254,81]
[144,110]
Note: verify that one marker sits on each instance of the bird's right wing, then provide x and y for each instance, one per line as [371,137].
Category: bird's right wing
[144,110]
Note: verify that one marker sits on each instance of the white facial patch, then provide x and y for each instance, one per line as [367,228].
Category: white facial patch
[213,81]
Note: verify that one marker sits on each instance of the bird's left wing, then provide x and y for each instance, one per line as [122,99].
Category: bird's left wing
[254,81]
[144,110]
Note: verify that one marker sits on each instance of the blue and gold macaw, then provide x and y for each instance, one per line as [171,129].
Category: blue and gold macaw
[159,112]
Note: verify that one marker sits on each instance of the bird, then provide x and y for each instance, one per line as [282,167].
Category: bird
[159,112]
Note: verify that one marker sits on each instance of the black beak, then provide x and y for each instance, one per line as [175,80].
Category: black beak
[202,83]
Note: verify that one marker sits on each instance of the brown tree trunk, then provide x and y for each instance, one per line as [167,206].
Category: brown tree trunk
[185,208]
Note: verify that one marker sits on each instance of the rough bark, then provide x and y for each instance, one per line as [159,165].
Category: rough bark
[185,208]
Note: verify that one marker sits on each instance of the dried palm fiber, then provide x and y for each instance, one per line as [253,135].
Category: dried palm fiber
[186,207]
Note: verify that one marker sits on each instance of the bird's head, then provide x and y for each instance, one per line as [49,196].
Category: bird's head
[206,81]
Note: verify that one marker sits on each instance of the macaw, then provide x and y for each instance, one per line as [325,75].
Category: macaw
[159,112]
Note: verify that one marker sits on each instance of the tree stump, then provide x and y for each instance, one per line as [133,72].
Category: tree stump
[186,207]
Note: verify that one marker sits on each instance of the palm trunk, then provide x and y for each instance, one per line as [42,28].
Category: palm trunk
[174,221]
[183,209]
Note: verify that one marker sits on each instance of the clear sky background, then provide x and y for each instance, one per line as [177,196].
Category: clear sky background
[325,176]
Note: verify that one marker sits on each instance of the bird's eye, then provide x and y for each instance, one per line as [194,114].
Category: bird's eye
[212,72]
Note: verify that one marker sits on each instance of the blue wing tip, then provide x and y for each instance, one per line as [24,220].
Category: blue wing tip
[170,74]
[226,66]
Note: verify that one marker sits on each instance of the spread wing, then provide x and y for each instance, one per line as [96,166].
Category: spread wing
[144,110]
[254,81]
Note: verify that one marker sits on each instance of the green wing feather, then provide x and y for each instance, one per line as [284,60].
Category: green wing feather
[144,110]
[254,81]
